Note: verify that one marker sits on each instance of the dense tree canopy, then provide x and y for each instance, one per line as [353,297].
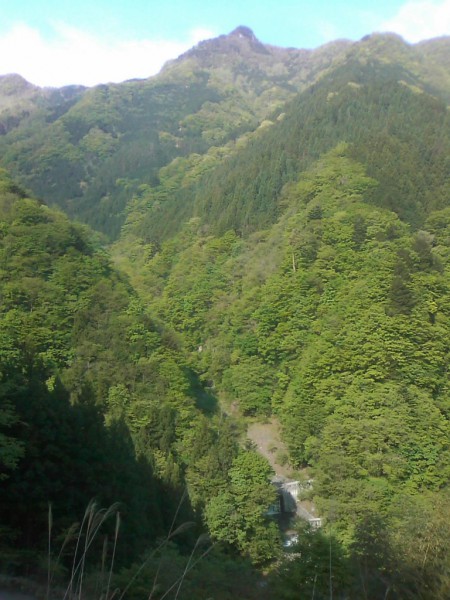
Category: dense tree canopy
[335,320]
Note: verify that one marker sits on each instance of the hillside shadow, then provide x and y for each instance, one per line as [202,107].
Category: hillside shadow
[205,400]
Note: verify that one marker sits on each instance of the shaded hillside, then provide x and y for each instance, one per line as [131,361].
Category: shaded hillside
[62,305]
[93,398]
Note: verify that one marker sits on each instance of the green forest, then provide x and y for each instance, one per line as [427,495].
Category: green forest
[251,236]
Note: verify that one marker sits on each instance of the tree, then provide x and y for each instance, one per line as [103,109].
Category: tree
[316,566]
[238,514]
[11,449]
[252,383]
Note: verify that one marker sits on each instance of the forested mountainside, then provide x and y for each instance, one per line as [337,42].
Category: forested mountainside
[282,220]
[97,402]
[402,135]
[88,151]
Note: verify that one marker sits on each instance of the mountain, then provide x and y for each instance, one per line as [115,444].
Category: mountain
[20,100]
[97,147]
[89,150]
[305,268]
[400,133]
[281,253]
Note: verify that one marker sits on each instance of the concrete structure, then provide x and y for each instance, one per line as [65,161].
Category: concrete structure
[288,500]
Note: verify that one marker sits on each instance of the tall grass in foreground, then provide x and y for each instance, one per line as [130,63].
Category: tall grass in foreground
[84,535]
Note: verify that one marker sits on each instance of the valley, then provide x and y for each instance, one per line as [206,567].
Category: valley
[232,273]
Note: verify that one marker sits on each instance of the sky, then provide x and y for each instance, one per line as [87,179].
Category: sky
[63,42]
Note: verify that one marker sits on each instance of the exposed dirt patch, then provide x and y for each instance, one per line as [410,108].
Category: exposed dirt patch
[267,439]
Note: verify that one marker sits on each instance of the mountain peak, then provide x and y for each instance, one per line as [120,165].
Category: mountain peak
[243,32]
[241,42]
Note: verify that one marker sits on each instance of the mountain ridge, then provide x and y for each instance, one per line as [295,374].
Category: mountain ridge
[87,150]
[242,32]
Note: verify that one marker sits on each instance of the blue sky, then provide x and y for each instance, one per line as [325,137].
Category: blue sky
[59,42]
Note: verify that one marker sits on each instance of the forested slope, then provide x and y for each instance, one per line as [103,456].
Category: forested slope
[89,151]
[99,404]
[336,321]
[67,320]
[402,135]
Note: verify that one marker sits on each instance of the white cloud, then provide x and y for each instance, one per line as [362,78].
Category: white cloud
[76,57]
[420,20]
[327,31]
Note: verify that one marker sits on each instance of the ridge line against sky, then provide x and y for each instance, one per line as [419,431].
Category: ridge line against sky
[56,43]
